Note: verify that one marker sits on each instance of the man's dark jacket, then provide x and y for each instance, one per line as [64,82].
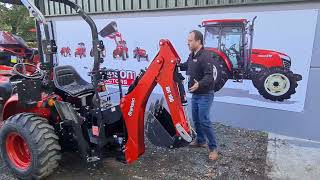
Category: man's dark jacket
[199,68]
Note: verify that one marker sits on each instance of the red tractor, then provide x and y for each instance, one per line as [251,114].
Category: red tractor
[14,46]
[13,50]
[121,49]
[140,53]
[80,50]
[51,109]
[230,40]
[65,51]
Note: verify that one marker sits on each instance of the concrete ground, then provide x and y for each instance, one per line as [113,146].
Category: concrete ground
[293,158]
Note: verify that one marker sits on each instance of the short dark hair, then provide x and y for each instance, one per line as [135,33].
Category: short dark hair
[198,36]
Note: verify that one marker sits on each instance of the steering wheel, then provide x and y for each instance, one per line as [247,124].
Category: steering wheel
[233,48]
[29,71]
[226,50]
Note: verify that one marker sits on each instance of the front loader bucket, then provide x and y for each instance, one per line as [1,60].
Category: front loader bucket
[160,129]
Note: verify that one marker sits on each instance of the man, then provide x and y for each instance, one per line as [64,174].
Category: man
[201,84]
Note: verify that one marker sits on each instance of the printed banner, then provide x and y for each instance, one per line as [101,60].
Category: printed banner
[264,65]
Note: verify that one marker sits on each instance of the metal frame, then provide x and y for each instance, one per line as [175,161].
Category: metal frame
[108,6]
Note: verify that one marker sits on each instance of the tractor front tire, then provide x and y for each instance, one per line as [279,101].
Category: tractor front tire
[276,84]
[29,146]
[220,74]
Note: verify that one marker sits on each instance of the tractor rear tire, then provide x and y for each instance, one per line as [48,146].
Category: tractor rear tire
[33,146]
[255,82]
[276,84]
[220,73]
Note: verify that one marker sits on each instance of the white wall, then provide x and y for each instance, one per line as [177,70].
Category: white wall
[303,123]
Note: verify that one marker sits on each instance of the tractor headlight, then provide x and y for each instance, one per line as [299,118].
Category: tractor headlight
[284,57]
[286,61]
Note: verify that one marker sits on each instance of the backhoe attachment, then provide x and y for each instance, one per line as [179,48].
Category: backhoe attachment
[163,128]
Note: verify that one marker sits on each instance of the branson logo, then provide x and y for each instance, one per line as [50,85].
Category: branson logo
[131,107]
[127,77]
[170,96]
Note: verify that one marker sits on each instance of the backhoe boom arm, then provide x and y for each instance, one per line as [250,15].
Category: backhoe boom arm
[161,71]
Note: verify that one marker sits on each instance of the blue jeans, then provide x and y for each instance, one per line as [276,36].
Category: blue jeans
[201,104]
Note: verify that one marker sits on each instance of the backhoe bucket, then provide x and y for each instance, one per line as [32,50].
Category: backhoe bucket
[160,129]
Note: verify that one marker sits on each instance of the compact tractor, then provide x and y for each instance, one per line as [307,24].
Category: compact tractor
[80,50]
[50,108]
[65,51]
[230,40]
[140,53]
[121,49]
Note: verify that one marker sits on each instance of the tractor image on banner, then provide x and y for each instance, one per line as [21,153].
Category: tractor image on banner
[231,40]
[65,52]
[80,50]
[121,49]
[140,53]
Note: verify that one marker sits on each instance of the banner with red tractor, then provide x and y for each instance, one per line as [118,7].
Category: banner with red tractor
[259,58]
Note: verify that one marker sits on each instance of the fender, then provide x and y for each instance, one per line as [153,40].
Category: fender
[223,56]
[12,107]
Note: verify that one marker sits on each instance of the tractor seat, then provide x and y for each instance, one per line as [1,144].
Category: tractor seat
[67,79]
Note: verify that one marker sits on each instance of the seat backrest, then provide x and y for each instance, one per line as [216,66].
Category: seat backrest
[64,75]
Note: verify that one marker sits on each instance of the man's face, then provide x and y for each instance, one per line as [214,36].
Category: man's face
[192,43]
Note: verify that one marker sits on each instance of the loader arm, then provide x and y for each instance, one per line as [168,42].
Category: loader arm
[161,71]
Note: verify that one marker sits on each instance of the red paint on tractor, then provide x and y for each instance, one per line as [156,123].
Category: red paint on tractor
[223,56]
[267,58]
[12,107]
[134,103]
[215,21]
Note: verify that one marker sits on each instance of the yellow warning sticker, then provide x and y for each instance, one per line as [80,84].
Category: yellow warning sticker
[13,59]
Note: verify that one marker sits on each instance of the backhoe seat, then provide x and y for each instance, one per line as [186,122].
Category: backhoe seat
[67,79]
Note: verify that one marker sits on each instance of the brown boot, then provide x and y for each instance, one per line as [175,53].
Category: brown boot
[194,144]
[213,155]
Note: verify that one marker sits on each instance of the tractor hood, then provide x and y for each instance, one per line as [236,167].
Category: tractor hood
[142,50]
[269,58]
[260,57]
[265,52]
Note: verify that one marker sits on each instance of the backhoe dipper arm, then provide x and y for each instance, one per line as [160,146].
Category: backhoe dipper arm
[162,71]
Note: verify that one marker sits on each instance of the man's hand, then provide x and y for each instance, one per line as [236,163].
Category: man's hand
[195,86]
